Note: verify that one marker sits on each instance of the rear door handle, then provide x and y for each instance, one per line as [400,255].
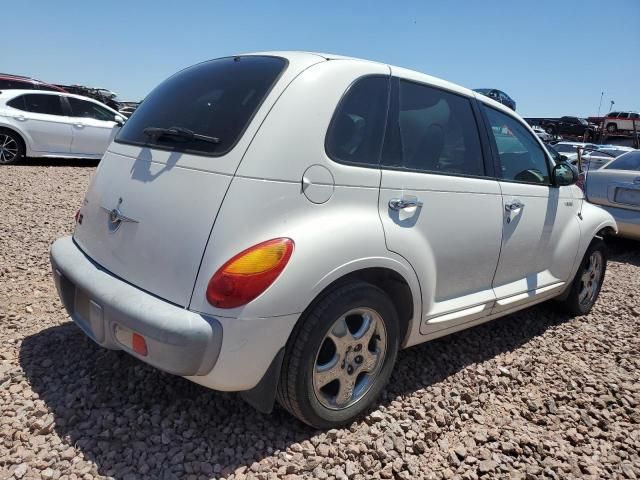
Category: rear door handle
[400,203]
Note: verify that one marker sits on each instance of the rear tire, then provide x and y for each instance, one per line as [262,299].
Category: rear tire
[11,147]
[340,356]
[587,283]
[550,130]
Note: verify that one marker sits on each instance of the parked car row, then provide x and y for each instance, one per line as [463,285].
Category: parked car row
[54,124]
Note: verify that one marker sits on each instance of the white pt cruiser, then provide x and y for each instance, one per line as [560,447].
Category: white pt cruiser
[281,224]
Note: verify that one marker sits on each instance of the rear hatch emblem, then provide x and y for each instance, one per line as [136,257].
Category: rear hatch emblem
[116,217]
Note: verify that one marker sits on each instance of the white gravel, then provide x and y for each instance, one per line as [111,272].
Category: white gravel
[536,394]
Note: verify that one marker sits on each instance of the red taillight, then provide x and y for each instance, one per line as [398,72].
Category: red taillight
[580,181]
[139,344]
[249,273]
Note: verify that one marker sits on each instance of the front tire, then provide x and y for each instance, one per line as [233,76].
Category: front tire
[587,283]
[11,147]
[340,356]
[612,128]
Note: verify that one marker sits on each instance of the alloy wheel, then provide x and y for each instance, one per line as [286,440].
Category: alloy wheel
[350,358]
[8,148]
[590,279]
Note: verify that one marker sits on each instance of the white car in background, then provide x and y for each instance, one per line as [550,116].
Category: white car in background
[570,149]
[55,125]
[616,121]
[541,133]
[595,159]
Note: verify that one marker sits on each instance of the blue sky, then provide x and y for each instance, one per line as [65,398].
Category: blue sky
[554,57]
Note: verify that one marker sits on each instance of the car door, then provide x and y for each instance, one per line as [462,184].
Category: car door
[93,127]
[540,224]
[42,117]
[440,207]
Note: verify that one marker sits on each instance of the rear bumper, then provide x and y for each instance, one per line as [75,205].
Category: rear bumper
[109,310]
[628,221]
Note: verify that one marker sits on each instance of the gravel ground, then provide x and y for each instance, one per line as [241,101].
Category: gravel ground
[533,395]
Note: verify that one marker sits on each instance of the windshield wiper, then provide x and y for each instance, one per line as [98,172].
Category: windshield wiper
[156,132]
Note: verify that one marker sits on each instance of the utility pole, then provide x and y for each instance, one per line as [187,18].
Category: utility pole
[600,104]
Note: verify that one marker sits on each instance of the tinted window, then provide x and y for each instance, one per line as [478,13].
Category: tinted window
[82,108]
[629,161]
[521,156]
[217,98]
[613,114]
[634,115]
[356,130]
[42,103]
[433,131]
[623,115]
[18,103]
[6,84]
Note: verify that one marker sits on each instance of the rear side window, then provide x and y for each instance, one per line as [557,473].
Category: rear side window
[357,128]
[85,109]
[521,156]
[432,130]
[38,103]
[217,98]
[18,103]
[630,161]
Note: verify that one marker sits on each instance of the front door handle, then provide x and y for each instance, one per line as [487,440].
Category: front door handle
[514,206]
[20,118]
[79,125]
[400,203]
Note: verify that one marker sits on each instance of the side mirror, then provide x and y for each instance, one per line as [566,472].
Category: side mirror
[563,158]
[119,119]
[564,174]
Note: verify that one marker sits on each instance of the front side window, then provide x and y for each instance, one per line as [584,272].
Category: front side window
[215,99]
[42,103]
[630,161]
[521,156]
[432,130]
[357,127]
[85,109]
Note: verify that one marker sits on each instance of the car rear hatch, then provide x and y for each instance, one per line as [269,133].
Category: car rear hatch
[152,202]
[614,188]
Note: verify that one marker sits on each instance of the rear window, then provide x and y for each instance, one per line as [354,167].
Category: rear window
[630,161]
[217,99]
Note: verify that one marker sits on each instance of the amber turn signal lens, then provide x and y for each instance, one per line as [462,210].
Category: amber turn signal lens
[248,274]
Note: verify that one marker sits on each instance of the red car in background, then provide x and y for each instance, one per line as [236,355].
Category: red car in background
[11,82]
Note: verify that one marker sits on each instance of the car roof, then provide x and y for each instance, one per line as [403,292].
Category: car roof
[399,71]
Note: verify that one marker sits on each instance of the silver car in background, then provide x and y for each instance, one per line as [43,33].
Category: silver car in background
[616,188]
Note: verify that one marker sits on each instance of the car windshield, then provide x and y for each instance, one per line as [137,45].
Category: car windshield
[583,121]
[629,161]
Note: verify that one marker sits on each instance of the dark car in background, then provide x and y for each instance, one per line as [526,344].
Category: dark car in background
[13,82]
[498,96]
[572,126]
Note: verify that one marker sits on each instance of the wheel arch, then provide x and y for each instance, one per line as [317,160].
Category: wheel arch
[21,136]
[398,282]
